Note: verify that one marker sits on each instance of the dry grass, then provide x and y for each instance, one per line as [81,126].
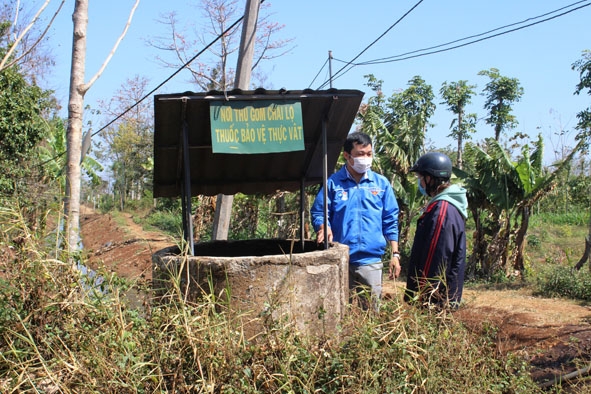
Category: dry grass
[61,333]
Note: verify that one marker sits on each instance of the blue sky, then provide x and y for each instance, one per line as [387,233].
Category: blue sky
[540,56]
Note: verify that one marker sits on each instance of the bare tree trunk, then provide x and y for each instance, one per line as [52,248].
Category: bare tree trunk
[75,117]
[74,130]
[520,241]
[460,142]
[586,254]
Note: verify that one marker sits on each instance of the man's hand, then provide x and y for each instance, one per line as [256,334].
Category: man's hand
[394,269]
[320,235]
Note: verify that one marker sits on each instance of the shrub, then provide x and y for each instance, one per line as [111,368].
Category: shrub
[167,221]
[563,281]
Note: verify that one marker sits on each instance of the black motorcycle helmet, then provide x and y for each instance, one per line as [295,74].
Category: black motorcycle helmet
[435,164]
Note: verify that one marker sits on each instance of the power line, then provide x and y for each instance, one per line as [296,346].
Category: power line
[392,59]
[171,76]
[405,56]
[377,61]
[374,41]
[319,71]
[157,87]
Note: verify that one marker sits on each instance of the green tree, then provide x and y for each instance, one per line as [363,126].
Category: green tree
[23,107]
[398,126]
[501,93]
[501,193]
[457,95]
[130,141]
[583,66]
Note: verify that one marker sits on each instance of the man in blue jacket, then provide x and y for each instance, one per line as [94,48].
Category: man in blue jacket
[362,214]
[438,256]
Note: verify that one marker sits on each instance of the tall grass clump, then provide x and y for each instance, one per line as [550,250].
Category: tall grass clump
[575,217]
[61,332]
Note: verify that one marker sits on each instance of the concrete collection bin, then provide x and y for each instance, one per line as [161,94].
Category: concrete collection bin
[265,282]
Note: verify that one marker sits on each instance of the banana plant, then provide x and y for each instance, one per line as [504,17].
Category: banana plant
[501,192]
[398,126]
[52,155]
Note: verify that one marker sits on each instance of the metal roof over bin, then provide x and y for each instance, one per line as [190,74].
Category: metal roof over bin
[185,164]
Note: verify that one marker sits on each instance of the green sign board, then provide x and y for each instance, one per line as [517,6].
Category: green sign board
[263,126]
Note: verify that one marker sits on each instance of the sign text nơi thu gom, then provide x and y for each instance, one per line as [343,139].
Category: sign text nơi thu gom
[256,126]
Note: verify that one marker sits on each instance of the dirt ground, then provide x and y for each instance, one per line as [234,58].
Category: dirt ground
[553,334]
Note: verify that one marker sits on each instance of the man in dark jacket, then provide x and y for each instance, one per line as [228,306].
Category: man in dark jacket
[438,255]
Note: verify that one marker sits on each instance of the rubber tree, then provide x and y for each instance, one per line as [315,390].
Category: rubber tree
[501,93]
[457,95]
[78,89]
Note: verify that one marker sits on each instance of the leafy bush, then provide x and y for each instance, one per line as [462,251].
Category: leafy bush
[563,281]
[167,221]
[534,241]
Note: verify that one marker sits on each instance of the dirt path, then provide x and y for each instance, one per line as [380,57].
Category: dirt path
[554,335]
[124,248]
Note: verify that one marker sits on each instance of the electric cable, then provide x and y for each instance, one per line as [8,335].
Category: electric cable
[222,34]
[374,41]
[376,61]
[404,56]
[390,60]
[319,71]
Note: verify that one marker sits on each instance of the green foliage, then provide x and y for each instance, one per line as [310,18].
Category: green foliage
[167,221]
[53,156]
[129,142]
[562,281]
[501,92]
[574,218]
[457,96]
[22,126]
[398,125]
[583,66]
[534,241]
[106,203]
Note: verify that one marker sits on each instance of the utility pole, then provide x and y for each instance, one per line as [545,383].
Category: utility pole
[223,207]
[330,67]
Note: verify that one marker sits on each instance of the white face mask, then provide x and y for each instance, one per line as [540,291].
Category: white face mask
[362,164]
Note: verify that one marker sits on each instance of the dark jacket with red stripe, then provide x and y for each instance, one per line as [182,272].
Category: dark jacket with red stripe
[438,256]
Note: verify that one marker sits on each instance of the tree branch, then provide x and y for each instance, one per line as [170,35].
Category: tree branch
[84,88]
[20,36]
[38,39]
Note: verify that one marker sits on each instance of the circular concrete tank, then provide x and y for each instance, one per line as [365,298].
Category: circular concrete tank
[266,282]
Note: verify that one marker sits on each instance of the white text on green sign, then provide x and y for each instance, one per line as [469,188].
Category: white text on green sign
[256,126]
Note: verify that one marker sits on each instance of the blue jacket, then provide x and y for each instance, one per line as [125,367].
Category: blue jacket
[438,255]
[362,216]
